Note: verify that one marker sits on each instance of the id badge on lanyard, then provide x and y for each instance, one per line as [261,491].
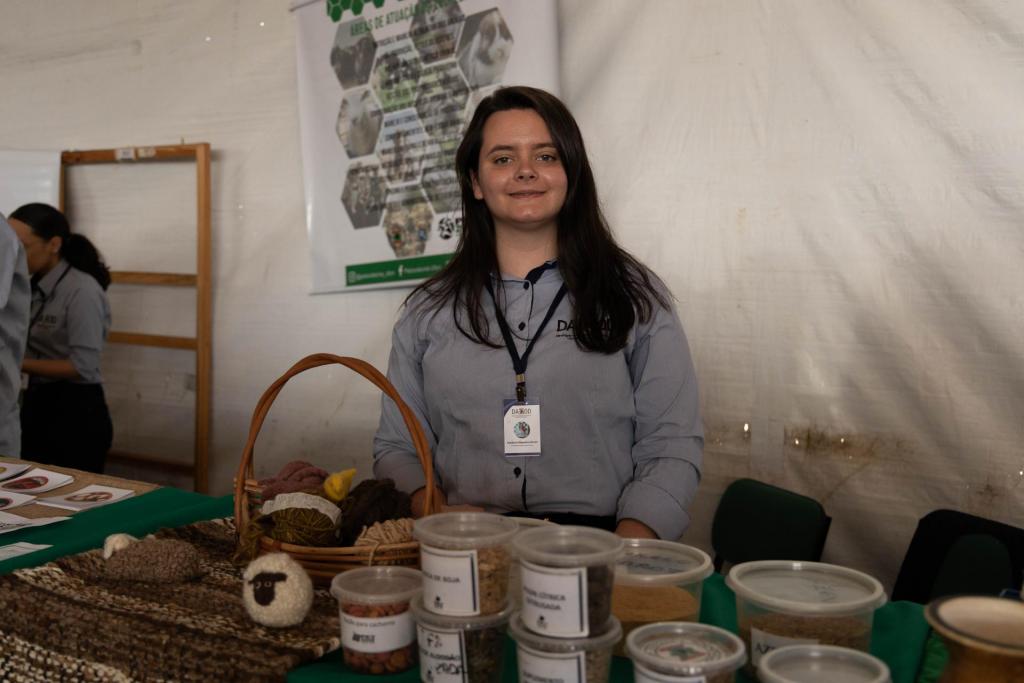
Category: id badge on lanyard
[522,427]
[521,415]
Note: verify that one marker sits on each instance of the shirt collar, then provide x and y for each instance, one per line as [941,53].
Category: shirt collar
[46,283]
[534,275]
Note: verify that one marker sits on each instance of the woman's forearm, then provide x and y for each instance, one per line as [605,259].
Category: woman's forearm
[61,368]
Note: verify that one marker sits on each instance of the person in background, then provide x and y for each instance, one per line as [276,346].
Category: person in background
[547,365]
[14,304]
[64,415]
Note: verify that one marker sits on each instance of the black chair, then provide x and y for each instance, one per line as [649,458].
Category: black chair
[758,521]
[956,553]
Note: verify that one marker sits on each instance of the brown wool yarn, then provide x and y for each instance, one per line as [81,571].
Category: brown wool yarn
[155,560]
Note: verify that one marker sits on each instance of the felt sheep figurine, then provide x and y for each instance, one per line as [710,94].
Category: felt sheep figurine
[276,590]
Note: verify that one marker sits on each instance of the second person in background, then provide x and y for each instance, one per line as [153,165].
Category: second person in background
[64,415]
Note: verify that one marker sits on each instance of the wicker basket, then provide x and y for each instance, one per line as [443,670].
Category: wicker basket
[323,564]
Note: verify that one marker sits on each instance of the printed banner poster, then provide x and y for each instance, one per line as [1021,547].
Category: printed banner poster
[384,96]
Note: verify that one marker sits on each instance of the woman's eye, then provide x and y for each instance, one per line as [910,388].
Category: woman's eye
[502,160]
[547,157]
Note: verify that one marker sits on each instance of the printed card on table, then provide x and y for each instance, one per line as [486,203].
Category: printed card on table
[9,522]
[87,497]
[36,480]
[17,549]
[10,469]
[10,499]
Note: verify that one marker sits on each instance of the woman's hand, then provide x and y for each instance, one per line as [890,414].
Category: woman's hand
[634,528]
[419,499]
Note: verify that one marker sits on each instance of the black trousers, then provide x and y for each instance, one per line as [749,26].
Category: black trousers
[66,424]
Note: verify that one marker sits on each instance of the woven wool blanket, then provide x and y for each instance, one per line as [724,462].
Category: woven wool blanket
[65,621]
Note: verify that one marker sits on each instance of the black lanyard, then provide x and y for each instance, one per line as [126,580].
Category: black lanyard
[48,299]
[519,363]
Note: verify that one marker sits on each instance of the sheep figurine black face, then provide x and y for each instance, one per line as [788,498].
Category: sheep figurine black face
[276,590]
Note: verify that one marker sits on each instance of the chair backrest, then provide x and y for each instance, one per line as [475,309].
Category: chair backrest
[758,521]
[954,552]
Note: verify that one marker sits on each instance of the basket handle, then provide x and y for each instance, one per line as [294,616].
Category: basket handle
[419,440]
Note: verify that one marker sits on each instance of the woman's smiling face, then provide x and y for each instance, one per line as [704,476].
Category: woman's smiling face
[519,175]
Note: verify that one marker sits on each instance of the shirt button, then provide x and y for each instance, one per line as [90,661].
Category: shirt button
[526,285]
[522,326]
[517,471]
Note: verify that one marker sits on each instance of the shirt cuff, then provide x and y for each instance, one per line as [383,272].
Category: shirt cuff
[655,507]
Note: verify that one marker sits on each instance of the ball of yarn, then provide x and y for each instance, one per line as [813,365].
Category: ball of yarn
[155,560]
[276,591]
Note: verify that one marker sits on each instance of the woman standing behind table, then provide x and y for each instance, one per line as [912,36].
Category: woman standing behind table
[64,416]
[540,310]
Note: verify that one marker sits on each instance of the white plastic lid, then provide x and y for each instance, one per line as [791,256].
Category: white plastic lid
[457,623]
[464,530]
[681,648]
[610,634]
[803,588]
[377,585]
[995,625]
[650,562]
[568,546]
[815,663]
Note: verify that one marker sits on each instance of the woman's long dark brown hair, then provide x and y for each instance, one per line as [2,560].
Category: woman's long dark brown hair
[609,288]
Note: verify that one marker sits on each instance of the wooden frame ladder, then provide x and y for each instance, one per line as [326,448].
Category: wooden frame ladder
[202,342]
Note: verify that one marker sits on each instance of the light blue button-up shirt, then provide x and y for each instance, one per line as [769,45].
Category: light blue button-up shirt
[14,304]
[621,433]
[70,319]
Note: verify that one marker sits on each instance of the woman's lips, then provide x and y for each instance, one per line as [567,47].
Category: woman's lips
[527,195]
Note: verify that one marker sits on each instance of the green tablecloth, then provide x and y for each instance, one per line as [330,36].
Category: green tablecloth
[898,638]
[138,516]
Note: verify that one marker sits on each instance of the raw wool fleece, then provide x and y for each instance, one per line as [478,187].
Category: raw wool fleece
[155,560]
[65,621]
[276,591]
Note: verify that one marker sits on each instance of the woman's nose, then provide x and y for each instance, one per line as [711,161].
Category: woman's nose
[525,172]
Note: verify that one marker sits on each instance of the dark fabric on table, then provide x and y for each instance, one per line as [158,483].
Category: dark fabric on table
[67,621]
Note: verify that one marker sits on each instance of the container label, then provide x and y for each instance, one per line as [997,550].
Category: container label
[762,642]
[377,634]
[555,600]
[450,581]
[549,667]
[442,655]
[642,675]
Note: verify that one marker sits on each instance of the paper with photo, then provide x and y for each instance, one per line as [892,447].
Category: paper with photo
[10,499]
[10,469]
[9,522]
[37,480]
[17,549]
[87,497]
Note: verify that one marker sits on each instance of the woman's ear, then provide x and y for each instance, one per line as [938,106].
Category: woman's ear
[54,244]
[477,192]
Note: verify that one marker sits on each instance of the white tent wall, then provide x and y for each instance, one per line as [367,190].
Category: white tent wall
[830,189]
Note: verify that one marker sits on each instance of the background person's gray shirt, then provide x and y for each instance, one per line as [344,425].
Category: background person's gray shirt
[621,433]
[14,305]
[70,319]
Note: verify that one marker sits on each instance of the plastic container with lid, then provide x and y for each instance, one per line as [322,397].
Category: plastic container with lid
[684,652]
[814,663]
[567,660]
[465,561]
[567,575]
[515,581]
[781,602]
[460,649]
[984,636]
[658,581]
[378,634]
